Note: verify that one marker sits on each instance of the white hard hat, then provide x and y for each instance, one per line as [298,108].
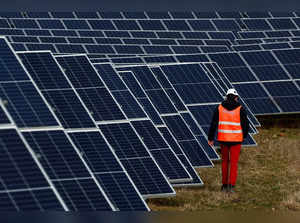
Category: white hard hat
[232,91]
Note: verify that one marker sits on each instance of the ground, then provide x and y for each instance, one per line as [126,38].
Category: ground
[269,175]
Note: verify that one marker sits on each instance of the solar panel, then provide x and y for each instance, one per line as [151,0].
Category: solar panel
[67,106]
[27,189]
[108,171]
[25,23]
[187,141]
[126,25]
[281,23]
[136,159]
[76,24]
[51,24]
[162,153]
[201,25]
[176,25]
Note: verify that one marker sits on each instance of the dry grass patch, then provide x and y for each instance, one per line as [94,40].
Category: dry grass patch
[269,179]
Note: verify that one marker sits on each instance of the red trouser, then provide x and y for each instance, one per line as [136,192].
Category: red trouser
[230,154]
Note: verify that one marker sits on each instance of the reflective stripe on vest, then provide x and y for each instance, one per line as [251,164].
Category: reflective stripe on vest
[229,129]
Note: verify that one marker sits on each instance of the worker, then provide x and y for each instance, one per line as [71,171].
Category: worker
[231,120]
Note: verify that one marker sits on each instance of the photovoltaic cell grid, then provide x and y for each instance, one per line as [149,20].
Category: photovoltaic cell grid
[21,97]
[173,169]
[88,195]
[196,154]
[23,186]
[115,84]
[178,103]
[76,112]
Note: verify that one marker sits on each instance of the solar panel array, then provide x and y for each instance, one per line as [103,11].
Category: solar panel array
[101,110]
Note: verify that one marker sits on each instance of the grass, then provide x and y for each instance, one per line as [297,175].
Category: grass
[268,181]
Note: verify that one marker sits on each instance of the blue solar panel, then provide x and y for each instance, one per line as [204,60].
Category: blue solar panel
[281,89]
[163,41]
[176,25]
[128,49]
[101,49]
[252,35]
[11,32]
[118,34]
[53,40]
[157,50]
[143,34]
[201,25]
[44,71]
[151,24]
[62,162]
[275,34]
[196,88]
[40,47]
[228,24]
[86,33]
[69,109]
[162,153]
[177,149]
[25,23]
[81,40]
[108,41]
[136,41]
[101,104]
[4,23]
[82,195]
[129,104]
[36,32]
[51,24]
[126,25]
[101,24]
[257,24]
[151,111]
[169,35]
[3,117]
[142,169]
[15,157]
[108,171]
[186,49]
[121,192]
[76,24]
[256,98]
[281,23]
[245,47]
[64,33]
[188,143]
[62,14]
[110,77]
[199,134]
[26,105]
[288,104]
[70,48]
[190,42]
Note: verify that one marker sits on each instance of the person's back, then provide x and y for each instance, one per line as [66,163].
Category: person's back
[231,120]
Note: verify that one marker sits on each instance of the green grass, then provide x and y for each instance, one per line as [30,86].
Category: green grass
[269,178]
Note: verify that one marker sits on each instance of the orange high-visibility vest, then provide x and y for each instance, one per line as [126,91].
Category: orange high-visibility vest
[230,129]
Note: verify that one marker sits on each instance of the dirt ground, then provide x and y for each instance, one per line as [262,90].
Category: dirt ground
[269,176]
